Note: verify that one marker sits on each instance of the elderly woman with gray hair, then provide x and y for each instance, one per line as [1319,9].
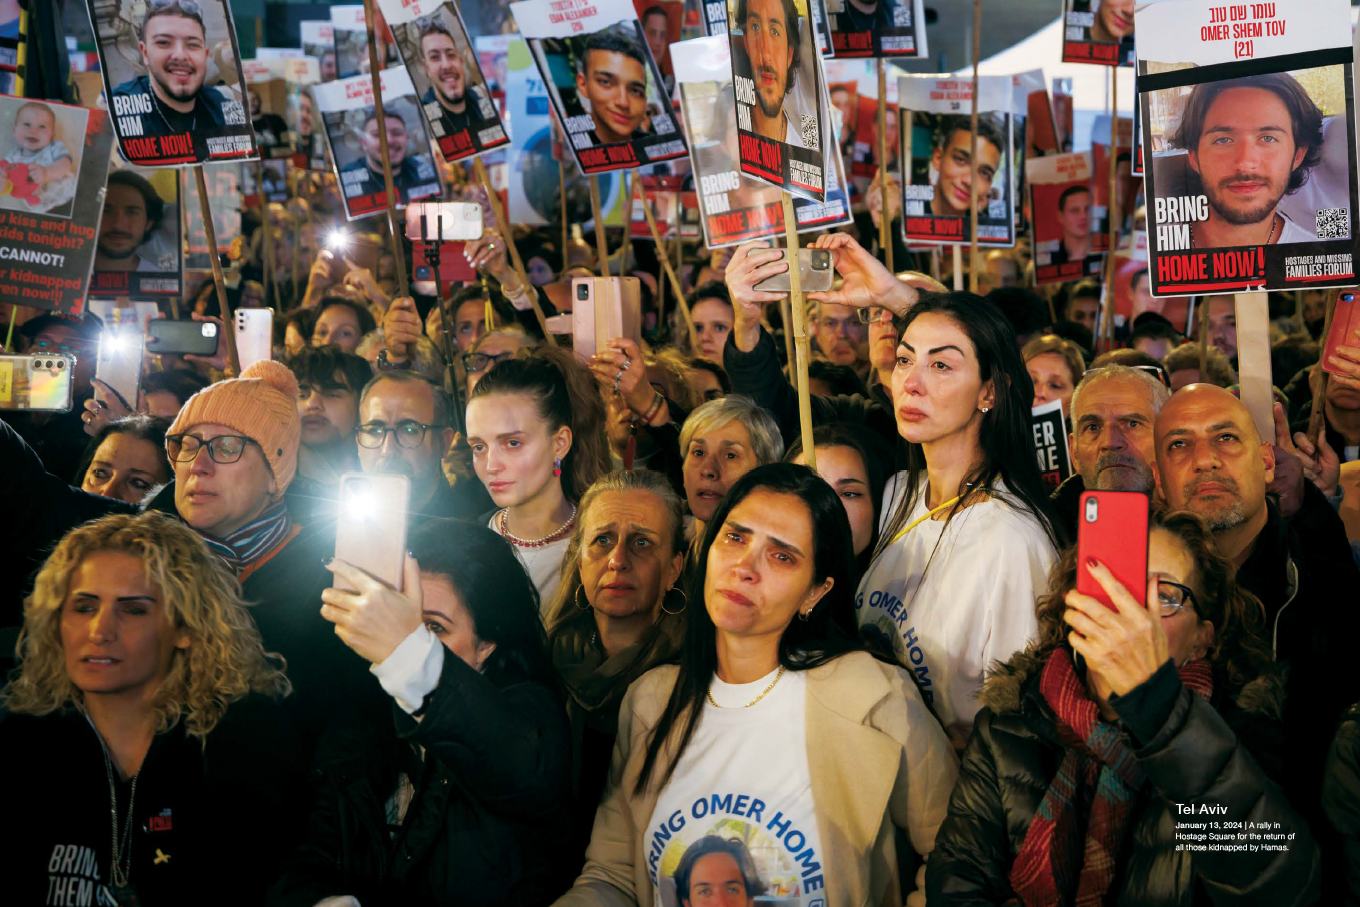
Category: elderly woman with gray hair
[720,442]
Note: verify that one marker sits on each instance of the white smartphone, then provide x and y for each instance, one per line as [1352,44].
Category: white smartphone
[371,530]
[443,221]
[119,362]
[254,336]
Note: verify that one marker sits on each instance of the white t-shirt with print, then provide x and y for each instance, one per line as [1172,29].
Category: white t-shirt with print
[954,597]
[744,775]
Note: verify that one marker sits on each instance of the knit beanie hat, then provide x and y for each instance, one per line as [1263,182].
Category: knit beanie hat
[262,405]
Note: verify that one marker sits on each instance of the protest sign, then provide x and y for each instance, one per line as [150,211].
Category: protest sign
[782,109]
[714,17]
[278,53]
[1060,204]
[661,21]
[346,107]
[1126,185]
[1133,291]
[1050,444]
[1251,182]
[603,82]
[318,42]
[267,101]
[15,24]
[878,28]
[275,187]
[350,40]
[448,78]
[1041,133]
[1029,110]
[938,192]
[137,252]
[224,201]
[53,163]
[1098,31]
[1063,113]
[733,208]
[172,77]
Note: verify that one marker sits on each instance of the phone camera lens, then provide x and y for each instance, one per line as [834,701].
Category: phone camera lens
[583,291]
[61,363]
[1092,510]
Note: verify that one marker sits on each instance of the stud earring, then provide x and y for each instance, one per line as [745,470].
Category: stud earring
[986,409]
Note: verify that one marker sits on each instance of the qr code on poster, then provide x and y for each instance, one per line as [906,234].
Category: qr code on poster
[811,135]
[1333,223]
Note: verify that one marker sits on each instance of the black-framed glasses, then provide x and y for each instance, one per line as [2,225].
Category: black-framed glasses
[1172,597]
[476,363]
[409,433]
[224,449]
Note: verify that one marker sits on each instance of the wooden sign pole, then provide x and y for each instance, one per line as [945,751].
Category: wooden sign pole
[798,306]
[884,228]
[380,115]
[601,247]
[1317,422]
[1253,360]
[1111,212]
[958,268]
[666,263]
[215,257]
[975,276]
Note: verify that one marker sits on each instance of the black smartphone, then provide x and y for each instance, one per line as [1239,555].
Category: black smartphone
[197,338]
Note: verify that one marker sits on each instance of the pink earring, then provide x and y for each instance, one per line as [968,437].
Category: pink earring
[557,467]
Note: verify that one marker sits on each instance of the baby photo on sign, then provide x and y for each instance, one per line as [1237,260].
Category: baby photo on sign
[40,147]
[172,77]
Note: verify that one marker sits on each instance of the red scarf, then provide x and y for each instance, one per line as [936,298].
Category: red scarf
[1070,852]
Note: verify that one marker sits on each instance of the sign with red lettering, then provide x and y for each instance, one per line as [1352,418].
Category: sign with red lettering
[173,82]
[1126,186]
[1098,31]
[734,208]
[603,81]
[878,28]
[1249,117]
[448,77]
[936,172]
[318,42]
[1132,288]
[138,248]
[1060,203]
[347,110]
[782,119]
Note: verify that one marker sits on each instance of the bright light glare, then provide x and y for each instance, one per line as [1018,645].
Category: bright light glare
[115,343]
[338,239]
[361,505]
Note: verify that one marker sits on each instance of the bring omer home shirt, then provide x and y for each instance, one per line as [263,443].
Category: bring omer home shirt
[744,776]
[953,597]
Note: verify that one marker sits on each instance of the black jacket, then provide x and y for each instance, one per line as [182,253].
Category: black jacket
[757,375]
[1341,800]
[1067,502]
[1190,754]
[222,812]
[485,826]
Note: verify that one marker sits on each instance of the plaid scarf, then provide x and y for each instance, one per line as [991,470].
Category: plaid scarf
[253,540]
[1070,852]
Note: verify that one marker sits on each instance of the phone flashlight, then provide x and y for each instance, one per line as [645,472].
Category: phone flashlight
[115,343]
[338,239]
[361,505]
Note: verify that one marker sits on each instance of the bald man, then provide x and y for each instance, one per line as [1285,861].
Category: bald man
[1213,461]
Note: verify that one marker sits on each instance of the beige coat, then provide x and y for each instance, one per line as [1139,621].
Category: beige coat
[877,758]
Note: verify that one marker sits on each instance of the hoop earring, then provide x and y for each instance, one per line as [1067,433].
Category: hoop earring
[576,600]
[681,609]
[805,615]
[557,467]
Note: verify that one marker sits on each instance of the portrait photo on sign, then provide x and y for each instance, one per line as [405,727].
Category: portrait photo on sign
[604,84]
[40,150]
[173,80]
[447,75]
[1133,288]
[1098,31]
[1060,203]
[137,251]
[351,124]
[318,42]
[777,79]
[938,190]
[312,151]
[877,28]
[267,103]
[1126,186]
[661,21]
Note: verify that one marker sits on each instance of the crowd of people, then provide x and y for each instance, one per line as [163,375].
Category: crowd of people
[640,652]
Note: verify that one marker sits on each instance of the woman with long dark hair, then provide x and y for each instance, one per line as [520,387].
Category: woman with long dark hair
[970,537]
[777,727]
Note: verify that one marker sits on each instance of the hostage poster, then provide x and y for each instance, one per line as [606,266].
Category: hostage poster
[453,92]
[605,87]
[1050,443]
[1125,183]
[351,123]
[172,77]
[877,28]
[318,42]
[1060,204]
[137,252]
[1132,290]
[1251,170]
[938,192]
[1098,31]
[782,107]
[733,208]
[53,165]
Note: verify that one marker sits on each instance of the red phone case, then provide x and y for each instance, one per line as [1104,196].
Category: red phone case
[453,264]
[1112,528]
[1345,322]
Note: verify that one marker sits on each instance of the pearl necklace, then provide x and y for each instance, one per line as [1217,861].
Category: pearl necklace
[556,535]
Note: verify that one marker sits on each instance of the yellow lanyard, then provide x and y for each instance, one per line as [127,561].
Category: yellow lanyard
[919,520]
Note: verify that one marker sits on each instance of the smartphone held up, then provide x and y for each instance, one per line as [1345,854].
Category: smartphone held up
[1112,528]
[814,269]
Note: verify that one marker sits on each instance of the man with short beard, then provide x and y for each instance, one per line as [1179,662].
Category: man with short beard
[1211,460]
[771,32]
[460,106]
[132,211]
[1224,129]
[174,49]
[408,171]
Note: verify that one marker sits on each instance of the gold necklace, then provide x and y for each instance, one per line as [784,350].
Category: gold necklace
[715,705]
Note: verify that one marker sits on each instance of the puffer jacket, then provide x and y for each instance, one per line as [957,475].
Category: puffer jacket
[1198,756]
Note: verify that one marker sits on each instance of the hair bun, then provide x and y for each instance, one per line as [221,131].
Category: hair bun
[275,374]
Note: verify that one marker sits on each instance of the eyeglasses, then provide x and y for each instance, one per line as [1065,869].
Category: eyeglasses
[223,449]
[476,363]
[1155,371]
[874,313]
[426,24]
[1173,597]
[410,434]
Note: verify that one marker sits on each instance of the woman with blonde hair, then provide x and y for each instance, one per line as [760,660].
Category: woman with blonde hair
[143,695]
